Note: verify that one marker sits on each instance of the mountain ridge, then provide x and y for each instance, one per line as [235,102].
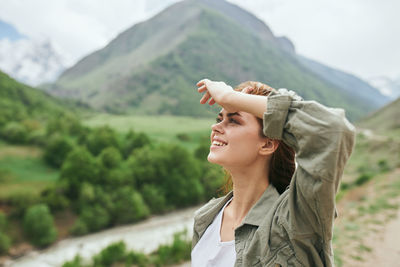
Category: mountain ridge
[139,79]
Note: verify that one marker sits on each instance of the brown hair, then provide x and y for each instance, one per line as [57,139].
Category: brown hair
[282,164]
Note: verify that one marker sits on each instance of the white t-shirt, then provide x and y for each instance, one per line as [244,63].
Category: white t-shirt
[210,251]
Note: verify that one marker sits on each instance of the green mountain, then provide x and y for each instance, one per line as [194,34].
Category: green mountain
[19,102]
[152,67]
[385,120]
[354,87]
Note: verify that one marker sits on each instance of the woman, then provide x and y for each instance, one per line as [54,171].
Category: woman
[276,214]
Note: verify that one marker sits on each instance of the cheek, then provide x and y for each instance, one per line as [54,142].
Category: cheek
[247,143]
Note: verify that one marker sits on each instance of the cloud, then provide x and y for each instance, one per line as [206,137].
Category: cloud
[79,27]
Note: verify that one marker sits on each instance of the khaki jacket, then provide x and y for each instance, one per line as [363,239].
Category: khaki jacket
[296,227]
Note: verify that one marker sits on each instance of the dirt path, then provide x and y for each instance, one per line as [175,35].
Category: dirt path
[368,230]
[386,246]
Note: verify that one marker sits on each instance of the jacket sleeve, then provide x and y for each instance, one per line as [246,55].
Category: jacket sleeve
[323,140]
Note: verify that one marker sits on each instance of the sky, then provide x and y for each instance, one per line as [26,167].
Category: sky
[361,37]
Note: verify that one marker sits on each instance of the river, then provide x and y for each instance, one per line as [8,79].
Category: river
[144,236]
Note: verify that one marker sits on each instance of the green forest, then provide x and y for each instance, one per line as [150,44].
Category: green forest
[51,164]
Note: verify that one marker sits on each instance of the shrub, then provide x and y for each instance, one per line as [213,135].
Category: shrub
[112,254]
[95,217]
[78,167]
[171,168]
[15,132]
[38,138]
[21,201]
[4,239]
[3,221]
[57,150]
[363,178]
[39,225]
[202,151]
[383,165]
[54,198]
[76,262]
[136,259]
[128,206]
[66,124]
[176,252]
[110,157]
[154,198]
[4,243]
[345,186]
[212,179]
[134,141]
[102,138]
[79,228]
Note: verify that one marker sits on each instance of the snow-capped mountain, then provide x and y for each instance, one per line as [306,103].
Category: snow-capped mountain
[31,62]
[387,86]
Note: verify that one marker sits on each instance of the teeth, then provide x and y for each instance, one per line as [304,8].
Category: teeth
[218,143]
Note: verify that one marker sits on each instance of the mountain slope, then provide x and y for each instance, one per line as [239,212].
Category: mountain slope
[152,67]
[354,87]
[19,101]
[386,119]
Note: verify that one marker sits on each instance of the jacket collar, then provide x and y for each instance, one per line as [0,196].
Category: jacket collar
[206,214]
[258,212]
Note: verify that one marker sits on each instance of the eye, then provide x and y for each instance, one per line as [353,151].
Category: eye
[230,120]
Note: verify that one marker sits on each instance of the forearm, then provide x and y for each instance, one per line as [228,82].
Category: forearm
[254,104]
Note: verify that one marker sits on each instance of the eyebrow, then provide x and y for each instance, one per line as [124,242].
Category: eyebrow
[230,114]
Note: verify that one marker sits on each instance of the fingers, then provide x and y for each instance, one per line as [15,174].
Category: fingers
[205,97]
[202,82]
[201,88]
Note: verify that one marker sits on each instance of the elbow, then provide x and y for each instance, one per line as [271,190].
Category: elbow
[341,123]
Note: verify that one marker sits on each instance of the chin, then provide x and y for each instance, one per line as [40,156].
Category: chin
[213,159]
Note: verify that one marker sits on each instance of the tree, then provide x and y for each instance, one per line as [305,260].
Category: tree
[95,217]
[39,225]
[134,141]
[171,168]
[5,241]
[57,150]
[128,206]
[15,132]
[101,138]
[80,166]
[110,157]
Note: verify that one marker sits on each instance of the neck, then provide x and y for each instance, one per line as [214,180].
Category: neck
[248,186]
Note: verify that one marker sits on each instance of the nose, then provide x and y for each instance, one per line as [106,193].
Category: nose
[216,127]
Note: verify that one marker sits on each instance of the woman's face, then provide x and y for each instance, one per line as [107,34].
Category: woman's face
[239,132]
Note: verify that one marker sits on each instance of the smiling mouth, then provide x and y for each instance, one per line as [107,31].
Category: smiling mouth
[215,146]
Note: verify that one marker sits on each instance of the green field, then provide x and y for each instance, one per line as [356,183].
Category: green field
[158,128]
[22,170]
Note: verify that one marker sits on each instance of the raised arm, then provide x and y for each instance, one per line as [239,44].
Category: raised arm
[323,140]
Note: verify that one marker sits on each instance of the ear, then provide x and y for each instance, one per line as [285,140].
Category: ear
[269,146]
